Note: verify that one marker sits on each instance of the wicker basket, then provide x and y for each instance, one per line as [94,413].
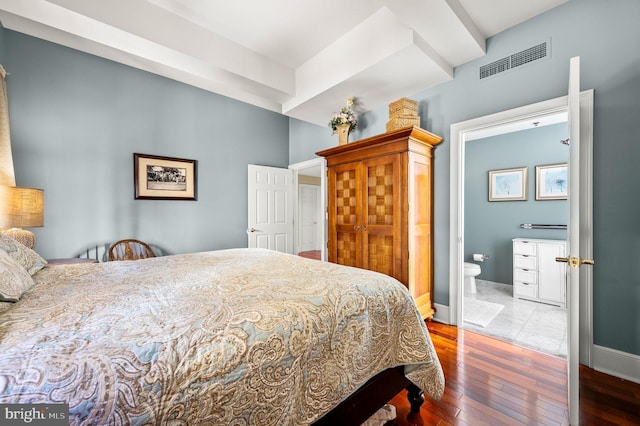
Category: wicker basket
[400,121]
[403,106]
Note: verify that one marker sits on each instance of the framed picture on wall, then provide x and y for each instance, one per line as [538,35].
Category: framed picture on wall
[164,178]
[508,184]
[551,182]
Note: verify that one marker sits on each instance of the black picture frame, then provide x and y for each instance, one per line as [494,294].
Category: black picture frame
[164,178]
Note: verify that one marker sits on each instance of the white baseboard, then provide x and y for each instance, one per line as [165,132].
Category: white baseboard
[616,363]
[442,313]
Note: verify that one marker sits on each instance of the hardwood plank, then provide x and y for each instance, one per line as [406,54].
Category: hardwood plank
[492,382]
[311,254]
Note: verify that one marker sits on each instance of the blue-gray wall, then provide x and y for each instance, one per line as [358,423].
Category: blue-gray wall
[76,121]
[308,138]
[489,226]
[601,33]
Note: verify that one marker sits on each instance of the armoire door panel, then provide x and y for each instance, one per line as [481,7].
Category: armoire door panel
[382,215]
[382,177]
[348,249]
[344,204]
[379,200]
[379,255]
[347,195]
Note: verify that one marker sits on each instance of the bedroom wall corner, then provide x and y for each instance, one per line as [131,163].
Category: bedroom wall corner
[305,139]
[77,119]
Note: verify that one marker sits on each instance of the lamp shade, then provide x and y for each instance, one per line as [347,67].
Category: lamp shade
[21,207]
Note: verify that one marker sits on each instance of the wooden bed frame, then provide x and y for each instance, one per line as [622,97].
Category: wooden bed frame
[372,396]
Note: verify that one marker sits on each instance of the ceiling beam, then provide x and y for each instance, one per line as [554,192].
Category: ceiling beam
[150,22]
[446,24]
[381,44]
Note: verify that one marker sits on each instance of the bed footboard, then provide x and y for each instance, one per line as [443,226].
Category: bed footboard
[371,397]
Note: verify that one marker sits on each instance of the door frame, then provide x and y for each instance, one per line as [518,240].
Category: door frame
[456,207]
[320,162]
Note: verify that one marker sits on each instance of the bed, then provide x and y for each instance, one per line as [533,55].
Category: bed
[228,337]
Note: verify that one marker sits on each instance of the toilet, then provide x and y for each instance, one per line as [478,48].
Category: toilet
[471,271]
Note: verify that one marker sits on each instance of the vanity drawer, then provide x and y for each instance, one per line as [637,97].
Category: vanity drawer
[524,261]
[524,247]
[536,274]
[522,289]
[525,275]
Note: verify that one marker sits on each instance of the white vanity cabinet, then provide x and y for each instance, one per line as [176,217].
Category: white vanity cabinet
[536,274]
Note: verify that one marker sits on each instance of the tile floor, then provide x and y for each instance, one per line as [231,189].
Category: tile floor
[533,325]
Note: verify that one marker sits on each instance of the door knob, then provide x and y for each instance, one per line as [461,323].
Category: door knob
[574,262]
[252,230]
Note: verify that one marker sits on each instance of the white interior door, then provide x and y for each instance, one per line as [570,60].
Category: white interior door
[573,257]
[308,202]
[316,167]
[270,205]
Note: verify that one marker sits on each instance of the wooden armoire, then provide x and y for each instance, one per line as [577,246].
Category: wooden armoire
[380,208]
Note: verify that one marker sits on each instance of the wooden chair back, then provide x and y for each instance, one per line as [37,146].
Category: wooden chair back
[130,249]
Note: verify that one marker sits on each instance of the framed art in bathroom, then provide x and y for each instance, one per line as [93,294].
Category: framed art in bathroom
[551,182]
[508,184]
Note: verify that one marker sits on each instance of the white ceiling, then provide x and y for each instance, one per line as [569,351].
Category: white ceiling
[301,58]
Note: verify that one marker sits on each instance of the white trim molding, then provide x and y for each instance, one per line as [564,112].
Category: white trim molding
[616,363]
[442,313]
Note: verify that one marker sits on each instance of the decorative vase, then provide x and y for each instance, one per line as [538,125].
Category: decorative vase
[343,133]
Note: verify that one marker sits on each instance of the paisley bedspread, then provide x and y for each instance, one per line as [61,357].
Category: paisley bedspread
[229,337]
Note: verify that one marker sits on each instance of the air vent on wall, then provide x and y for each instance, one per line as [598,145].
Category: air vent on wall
[515,60]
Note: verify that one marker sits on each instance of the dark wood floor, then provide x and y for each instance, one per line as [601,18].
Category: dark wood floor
[311,254]
[490,382]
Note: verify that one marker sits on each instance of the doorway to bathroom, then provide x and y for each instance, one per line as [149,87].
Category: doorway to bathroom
[497,124]
[505,171]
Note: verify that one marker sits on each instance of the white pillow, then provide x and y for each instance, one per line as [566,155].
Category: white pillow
[31,261]
[14,279]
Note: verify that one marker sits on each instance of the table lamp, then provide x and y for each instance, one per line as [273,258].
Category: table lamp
[21,208]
